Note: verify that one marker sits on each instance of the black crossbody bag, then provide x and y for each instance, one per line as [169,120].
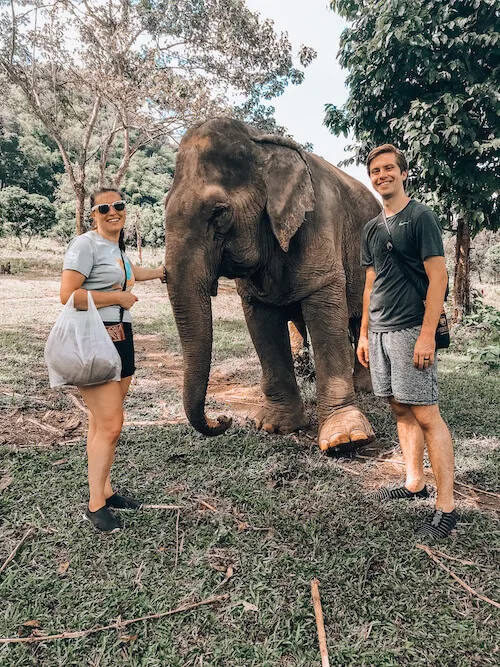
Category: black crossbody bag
[443,329]
[117,331]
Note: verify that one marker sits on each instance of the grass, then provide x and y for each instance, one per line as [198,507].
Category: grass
[285,515]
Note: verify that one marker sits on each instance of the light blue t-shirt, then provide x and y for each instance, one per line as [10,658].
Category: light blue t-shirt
[100,261]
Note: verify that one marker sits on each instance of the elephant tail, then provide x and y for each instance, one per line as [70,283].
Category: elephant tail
[354,329]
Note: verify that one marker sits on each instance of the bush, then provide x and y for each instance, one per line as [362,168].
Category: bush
[152,223]
[64,229]
[23,215]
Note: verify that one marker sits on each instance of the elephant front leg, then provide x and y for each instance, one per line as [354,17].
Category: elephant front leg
[342,425]
[283,410]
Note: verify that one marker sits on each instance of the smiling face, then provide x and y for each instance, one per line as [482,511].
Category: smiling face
[110,224]
[386,176]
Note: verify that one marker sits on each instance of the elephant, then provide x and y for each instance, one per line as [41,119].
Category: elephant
[286,225]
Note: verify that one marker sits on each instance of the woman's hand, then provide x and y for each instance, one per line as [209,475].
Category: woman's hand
[126,300]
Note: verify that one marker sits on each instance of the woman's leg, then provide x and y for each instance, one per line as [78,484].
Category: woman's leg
[105,403]
[124,384]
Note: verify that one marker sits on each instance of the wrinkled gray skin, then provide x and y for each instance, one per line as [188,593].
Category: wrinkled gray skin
[287,226]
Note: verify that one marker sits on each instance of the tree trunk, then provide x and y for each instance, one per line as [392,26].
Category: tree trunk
[461,284]
[80,208]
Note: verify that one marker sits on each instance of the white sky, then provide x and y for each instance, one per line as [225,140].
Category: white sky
[301,108]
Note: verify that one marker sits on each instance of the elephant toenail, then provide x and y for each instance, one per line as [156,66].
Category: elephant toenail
[357,434]
[338,439]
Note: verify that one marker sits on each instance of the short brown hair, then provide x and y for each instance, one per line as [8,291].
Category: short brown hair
[387,148]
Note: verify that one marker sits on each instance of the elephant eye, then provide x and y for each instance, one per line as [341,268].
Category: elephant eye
[219,209]
[222,216]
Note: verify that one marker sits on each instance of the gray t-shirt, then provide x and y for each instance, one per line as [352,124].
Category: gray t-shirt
[394,303]
[100,261]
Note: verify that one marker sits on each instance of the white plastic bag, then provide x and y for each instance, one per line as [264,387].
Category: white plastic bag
[79,350]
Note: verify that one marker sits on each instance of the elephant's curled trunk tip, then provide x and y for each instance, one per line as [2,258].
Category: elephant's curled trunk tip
[216,426]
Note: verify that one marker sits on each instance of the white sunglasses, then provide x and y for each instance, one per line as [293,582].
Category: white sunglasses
[104,208]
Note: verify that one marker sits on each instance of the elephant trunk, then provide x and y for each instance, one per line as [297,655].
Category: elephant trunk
[190,299]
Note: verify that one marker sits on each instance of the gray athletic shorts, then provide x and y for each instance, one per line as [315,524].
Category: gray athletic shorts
[393,372]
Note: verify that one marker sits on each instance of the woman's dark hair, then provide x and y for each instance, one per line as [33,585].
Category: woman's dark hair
[121,240]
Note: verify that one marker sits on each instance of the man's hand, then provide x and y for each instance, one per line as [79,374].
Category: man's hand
[425,348]
[362,351]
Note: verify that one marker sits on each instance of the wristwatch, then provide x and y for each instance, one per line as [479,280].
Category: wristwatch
[164,279]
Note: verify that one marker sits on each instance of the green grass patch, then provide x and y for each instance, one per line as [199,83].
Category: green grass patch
[383,599]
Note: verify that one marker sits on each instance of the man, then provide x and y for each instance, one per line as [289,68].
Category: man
[397,339]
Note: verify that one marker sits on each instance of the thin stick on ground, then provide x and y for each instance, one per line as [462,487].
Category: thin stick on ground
[27,534]
[117,625]
[474,488]
[161,507]
[177,539]
[208,506]
[462,583]
[459,560]
[318,612]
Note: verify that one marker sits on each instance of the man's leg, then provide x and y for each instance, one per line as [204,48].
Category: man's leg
[411,439]
[440,448]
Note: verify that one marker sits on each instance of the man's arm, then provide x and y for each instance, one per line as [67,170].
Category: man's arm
[362,349]
[425,347]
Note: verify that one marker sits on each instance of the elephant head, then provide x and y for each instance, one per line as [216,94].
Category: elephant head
[238,197]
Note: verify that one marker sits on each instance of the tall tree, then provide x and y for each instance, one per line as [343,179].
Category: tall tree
[426,76]
[91,70]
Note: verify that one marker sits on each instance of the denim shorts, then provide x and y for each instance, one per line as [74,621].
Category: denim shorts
[392,370]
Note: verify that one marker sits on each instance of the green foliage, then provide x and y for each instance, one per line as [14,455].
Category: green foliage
[152,222]
[28,158]
[492,262]
[489,355]
[24,215]
[426,77]
[483,315]
[149,175]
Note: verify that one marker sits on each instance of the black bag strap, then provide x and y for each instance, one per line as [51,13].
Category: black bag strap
[400,259]
[124,288]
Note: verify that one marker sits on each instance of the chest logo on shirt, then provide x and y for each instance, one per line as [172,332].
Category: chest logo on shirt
[404,222]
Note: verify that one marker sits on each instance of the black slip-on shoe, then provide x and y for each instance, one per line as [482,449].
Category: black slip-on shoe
[123,502]
[399,493]
[437,526]
[103,520]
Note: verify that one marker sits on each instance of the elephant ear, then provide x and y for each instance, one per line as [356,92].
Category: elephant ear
[290,192]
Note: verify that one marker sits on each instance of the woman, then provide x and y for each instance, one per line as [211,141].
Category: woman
[96,261]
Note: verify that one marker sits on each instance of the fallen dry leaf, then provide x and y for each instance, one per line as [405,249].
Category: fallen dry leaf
[219,568]
[60,462]
[229,573]
[31,624]
[63,567]
[38,633]
[242,526]
[127,638]
[175,489]
[248,606]
[5,482]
